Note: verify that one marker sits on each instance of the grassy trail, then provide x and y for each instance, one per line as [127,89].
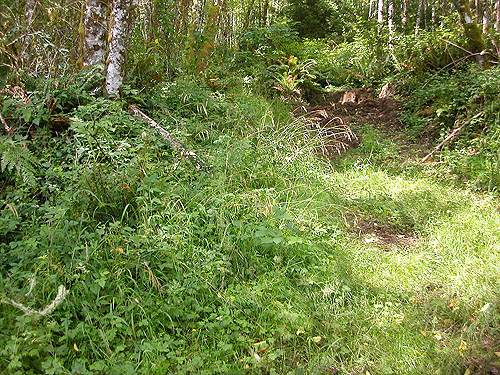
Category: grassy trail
[275,262]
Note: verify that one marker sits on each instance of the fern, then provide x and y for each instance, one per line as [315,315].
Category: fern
[14,156]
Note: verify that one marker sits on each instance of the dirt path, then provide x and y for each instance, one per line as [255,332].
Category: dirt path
[337,114]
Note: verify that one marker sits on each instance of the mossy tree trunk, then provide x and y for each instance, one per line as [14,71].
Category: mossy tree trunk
[472,32]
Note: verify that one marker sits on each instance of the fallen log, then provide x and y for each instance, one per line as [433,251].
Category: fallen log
[450,137]
[199,164]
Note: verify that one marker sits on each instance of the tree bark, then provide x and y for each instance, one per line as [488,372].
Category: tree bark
[199,164]
[265,10]
[94,30]
[472,32]
[404,14]
[419,16]
[118,38]
[486,17]
[433,15]
[248,16]
[371,9]
[477,10]
[29,14]
[380,12]
[390,21]
[444,11]
[497,11]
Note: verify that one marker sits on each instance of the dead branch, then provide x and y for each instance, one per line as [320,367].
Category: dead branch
[200,165]
[8,129]
[449,137]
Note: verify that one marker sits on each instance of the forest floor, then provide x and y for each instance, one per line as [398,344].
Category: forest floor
[312,246]
[360,110]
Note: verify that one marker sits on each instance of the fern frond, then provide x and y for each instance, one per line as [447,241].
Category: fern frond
[14,156]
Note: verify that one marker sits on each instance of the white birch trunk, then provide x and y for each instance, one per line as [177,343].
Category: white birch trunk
[29,13]
[118,37]
[371,9]
[94,40]
[497,11]
[419,16]
[404,14]
[380,12]
[433,15]
[390,21]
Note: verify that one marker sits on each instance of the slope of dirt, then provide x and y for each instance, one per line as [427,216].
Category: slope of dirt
[336,112]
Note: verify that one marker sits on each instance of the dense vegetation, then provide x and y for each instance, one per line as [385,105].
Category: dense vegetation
[297,247]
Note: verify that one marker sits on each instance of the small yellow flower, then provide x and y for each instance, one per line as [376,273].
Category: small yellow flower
[300,331]
[463,346]
[193,330]
[120,250]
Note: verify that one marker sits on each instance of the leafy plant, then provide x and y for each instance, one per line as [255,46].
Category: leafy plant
[15,156]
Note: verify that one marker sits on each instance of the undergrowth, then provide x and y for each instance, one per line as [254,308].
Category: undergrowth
[255,266]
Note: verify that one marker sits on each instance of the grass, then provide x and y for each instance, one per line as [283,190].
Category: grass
[260,266]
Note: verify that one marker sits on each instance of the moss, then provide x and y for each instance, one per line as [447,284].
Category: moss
[474,37]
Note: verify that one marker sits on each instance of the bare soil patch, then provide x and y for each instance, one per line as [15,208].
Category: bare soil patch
[335,113]
[383,235]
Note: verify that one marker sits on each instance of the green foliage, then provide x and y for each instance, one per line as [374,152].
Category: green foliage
[16,156]
[176,271]
[42,103]
[318,19]
[294,75]
[445,101]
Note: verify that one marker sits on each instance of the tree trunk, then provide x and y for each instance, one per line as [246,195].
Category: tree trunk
[390,21]
[479,11]
[265,10]
[419,16]
[433,15]
[380,12]
[486,17]
[497,11]
[248,16]
[29,14]
[404,14]
[94,30]
[472,32]
[371,10]
[118,38]
[444,11]
[424,15]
